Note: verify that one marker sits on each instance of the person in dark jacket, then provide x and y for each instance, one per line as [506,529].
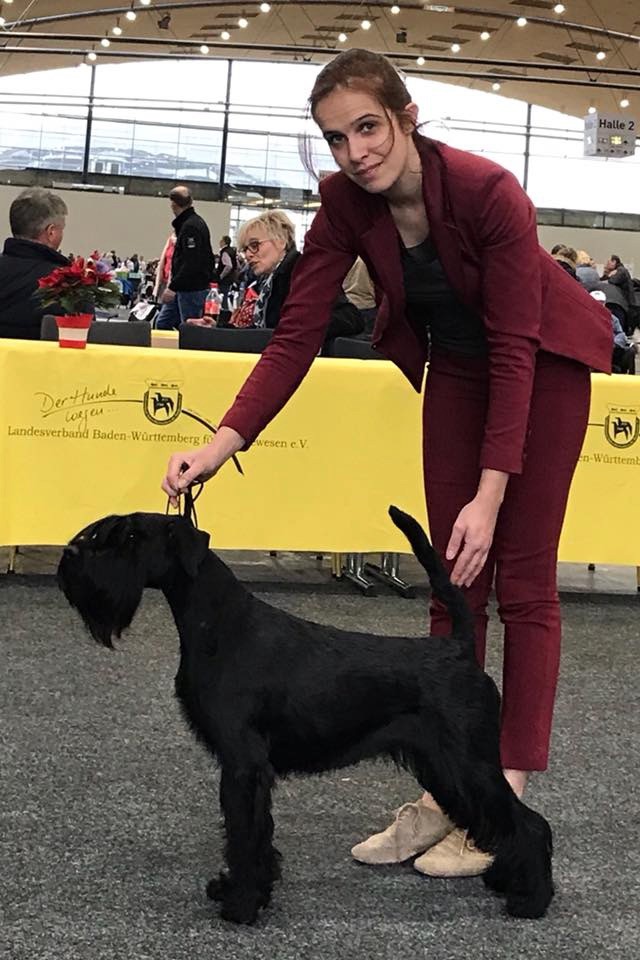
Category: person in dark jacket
[269,244]
[37,218]
[192,267]
[616,273]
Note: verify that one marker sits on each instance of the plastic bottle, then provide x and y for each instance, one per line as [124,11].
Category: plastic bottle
[212,305]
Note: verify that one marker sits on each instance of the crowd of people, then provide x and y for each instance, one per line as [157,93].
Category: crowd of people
[616,289]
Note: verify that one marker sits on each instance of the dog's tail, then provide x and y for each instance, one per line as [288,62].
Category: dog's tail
[444,590]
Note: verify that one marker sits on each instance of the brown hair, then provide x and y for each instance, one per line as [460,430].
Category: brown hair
[362,70]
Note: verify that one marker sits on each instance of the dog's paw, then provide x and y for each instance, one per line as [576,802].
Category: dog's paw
[218,887]
[240,908]
[496,879]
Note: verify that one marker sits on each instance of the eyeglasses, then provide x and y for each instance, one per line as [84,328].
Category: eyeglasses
[254,245]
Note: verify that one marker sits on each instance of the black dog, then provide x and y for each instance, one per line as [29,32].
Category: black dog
[271,694]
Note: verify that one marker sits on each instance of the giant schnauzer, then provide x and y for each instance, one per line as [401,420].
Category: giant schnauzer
[271,694]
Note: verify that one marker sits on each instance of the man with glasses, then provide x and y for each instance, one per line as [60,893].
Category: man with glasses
[37,218]
[192,267]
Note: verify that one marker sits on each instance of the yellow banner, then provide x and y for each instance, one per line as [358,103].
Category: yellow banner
[87,433]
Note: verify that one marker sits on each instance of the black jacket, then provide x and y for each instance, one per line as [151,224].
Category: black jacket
[346,320]
[193,264]
[22,263]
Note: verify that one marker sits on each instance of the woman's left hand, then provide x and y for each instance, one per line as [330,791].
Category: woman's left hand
[471,539]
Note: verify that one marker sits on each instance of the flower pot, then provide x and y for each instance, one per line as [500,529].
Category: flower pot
[73,330]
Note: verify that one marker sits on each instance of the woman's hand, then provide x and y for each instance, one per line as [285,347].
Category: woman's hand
[193,466]
[472,533]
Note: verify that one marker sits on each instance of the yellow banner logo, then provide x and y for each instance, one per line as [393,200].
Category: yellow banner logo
[162,402]
[622,426]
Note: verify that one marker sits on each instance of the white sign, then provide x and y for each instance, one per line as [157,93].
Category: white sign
[609,135]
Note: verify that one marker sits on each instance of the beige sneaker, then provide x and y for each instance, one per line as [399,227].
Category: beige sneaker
[415,829]
[455,856]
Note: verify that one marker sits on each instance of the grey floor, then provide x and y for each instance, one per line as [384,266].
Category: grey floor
[109,826]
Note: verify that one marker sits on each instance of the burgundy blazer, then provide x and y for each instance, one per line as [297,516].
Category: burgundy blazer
[484,228]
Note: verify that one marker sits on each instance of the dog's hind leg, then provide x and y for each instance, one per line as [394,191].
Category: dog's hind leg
[475,795]
[252,861]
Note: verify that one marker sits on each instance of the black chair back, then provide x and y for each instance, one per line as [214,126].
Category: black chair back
[351,348]
[192,337]
[135,333]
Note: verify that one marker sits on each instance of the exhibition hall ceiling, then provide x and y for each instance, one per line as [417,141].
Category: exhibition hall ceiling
[565,56]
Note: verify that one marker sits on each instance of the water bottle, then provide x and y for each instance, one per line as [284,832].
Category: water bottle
[212,305]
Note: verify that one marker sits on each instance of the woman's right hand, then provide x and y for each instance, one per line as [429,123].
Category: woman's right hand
[193,466]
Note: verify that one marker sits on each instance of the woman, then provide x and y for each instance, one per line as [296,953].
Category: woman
[268,242]
[450,242]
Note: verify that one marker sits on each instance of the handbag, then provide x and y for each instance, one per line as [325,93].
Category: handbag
[242,316]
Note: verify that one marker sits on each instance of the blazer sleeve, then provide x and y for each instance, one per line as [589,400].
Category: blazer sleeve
[512,297]
[317,279]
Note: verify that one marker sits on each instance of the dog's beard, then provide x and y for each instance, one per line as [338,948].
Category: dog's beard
[106,603]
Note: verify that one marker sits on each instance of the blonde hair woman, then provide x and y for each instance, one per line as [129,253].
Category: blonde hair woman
[269,244]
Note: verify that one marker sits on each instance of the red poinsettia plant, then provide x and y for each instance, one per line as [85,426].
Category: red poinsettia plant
[80,287]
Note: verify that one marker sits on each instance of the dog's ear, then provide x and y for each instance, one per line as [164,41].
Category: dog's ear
[190,545]
[110,532]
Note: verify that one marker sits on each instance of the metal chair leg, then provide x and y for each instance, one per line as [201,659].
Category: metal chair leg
[388,573]
[11,562]
[353,571]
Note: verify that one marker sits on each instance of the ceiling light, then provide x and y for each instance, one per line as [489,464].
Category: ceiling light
[495,86]
[225,35]
[395,9]
[521,21]
[117,30]
[145,3]
[624,103]
[601,55]
[204,48]
[105,42]
[92,55]
[591,110]
[265,7]
[243,22]
[559,8]
[366,24]
[420,61]
[455,48]
[131,15]
[342,38]
[485,35]
[8,1]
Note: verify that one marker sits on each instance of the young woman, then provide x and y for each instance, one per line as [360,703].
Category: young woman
[450,242]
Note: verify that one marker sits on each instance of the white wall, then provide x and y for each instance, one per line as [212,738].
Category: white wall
[126,224]
[599,243]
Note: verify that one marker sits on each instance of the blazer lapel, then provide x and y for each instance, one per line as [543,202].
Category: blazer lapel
[381,252]
[446,236]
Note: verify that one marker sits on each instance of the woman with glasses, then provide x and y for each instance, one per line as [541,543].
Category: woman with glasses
[269,245]
[449,239]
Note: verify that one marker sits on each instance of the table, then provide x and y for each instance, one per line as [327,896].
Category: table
[88,433]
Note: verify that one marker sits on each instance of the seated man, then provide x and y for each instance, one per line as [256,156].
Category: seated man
[37,219]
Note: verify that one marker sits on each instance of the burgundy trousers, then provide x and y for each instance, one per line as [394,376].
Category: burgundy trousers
[523,558]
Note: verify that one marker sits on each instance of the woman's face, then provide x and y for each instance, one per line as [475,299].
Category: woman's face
[367,144]
[263,253]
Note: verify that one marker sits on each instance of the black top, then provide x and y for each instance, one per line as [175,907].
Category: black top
[433,306]
[193,264]
[22,264]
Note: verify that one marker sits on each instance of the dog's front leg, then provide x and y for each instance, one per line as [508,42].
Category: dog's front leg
[252,861]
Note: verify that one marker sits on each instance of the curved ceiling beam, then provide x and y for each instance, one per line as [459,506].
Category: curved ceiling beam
[147,55]
[593,30]
[298,49]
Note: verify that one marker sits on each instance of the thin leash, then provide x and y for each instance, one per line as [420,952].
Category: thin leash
[186,503]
